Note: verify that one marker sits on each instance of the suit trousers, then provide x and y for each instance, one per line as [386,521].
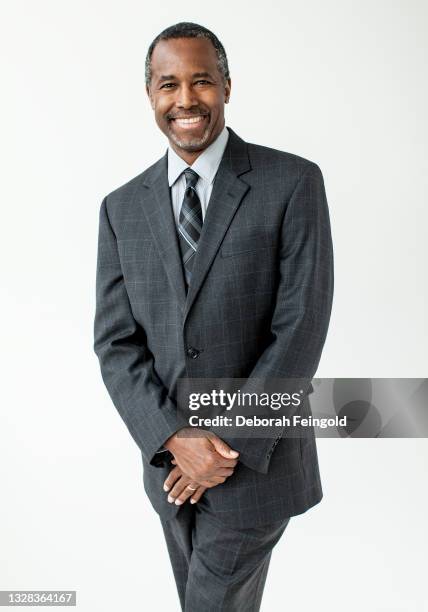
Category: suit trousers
[218,568]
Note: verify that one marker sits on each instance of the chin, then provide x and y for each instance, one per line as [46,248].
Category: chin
[190,144]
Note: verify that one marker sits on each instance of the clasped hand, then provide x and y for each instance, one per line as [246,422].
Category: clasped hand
[202,460]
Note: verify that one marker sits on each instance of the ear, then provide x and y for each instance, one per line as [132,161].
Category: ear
[149,94]
[227,89]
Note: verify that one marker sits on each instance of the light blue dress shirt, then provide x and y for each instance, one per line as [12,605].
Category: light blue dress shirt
[205,165]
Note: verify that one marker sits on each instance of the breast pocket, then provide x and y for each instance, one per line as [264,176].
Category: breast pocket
[250,244]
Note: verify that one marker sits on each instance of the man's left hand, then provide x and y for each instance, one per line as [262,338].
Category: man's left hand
[181,487]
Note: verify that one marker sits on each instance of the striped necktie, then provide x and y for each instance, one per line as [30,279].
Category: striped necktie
[189,223]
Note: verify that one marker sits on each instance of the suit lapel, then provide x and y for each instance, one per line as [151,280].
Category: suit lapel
[227,194]
[157,206]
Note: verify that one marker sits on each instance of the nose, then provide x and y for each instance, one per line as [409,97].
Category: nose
[186,97]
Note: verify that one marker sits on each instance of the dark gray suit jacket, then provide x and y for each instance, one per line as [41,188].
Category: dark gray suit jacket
[258,306]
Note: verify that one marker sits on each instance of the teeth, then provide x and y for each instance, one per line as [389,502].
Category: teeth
[189,120]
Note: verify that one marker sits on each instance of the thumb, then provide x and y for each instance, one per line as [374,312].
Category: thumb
[223,449]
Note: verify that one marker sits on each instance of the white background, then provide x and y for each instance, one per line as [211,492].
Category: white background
[341,83]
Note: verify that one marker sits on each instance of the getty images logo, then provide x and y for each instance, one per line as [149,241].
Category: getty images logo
[228,401]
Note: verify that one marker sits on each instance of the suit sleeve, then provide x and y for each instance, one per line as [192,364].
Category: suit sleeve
[126,363]
[303,304]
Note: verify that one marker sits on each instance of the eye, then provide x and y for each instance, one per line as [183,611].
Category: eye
[167,85]
[204,82]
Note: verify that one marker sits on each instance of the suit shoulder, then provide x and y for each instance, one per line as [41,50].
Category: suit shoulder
[261,156]
[124,193]
[129,187]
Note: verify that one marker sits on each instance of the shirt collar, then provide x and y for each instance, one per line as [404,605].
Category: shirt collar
[206,164]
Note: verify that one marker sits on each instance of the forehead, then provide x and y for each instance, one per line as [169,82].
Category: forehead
[179,56]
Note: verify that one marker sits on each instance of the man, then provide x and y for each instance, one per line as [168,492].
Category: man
[215,262]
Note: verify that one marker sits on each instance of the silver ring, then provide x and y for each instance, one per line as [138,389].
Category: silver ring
[191,488]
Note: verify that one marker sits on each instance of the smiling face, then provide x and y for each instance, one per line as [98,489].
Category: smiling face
[187,93]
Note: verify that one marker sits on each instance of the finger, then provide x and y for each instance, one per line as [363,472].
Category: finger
[208,483]
[216,480]
[197,495]
[222,448]
[226,472]
[213,482]
[179,486]
[187,492]
[173,476]
[173,461]
[219,473]
[225,463]
[221,461]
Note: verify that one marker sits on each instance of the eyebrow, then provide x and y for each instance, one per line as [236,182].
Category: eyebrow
[200,75]
[195,75]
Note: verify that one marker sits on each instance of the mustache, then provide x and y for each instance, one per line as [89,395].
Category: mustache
[186,115]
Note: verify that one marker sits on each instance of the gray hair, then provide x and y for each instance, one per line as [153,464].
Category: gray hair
[186,29]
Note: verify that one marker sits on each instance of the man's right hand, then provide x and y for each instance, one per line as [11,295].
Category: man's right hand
[202,455]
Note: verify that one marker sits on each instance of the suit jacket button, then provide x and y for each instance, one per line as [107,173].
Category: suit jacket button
[192,352]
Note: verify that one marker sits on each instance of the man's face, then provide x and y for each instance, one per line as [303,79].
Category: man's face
[187,93]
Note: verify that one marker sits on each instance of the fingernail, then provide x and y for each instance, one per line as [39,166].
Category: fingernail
[166,488]
[178,502]
[233,453]
[170,499]
[193,501]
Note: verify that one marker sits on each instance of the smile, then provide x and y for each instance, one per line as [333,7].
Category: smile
[186,122]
